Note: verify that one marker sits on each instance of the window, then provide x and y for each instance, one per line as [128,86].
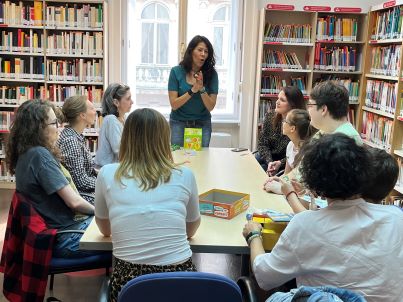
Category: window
[161,29]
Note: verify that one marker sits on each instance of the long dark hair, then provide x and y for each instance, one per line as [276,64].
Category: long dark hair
[295,99]
[209,65]
[28,130]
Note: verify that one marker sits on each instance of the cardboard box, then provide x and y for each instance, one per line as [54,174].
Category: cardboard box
[223,204]
[192,139]
[271,231]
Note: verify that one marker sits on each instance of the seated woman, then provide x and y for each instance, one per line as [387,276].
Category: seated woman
[148,204]
[32,155]
[296,126]
[351,244]
[116,102]
[272,142]
[79,113]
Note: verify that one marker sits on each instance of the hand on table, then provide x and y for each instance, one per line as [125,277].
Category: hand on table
[273,167]
[250,227]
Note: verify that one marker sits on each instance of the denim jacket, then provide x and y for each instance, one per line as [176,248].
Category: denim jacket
[317,294]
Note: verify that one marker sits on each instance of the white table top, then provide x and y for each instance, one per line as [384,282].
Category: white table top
[215,168]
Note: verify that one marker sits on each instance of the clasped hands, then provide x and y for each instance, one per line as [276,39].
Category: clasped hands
[282,185]
[199,81]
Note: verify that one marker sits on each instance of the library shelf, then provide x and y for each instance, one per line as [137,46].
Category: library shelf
[378,112]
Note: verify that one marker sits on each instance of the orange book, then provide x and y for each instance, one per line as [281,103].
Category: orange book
[38,13]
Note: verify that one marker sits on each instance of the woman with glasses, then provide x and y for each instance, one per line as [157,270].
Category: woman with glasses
[34,158]
[272,142]
[192,90]
[147,203]
[79,113]
[116,102]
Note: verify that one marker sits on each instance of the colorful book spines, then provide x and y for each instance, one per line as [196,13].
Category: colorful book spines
[58,93]
[77,43]
[335,58]
[21,13]
[22,68]
[82,70]
[272,84]
[289,33]
[377,129]
[386,60]
[73,15]
[19,94]
[280,59]
[333,28]
[388,24]
[21,40]
[381,95]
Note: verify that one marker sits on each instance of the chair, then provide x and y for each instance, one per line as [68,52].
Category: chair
[27,259]
[183,286]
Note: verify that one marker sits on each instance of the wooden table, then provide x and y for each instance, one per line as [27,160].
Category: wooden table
[218,168]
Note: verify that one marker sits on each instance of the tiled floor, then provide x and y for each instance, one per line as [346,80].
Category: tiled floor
[84,287]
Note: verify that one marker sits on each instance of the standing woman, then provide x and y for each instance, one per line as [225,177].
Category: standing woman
[272,142]
[116,102]
[79,113]
[193,89]
[34,159]
[147,203]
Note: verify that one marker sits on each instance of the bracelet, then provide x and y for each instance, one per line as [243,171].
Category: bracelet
[289,193]
[252,233]
[253,237]
[190,92]
[203,90]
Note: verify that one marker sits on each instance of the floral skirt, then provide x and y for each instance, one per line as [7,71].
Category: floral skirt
[124,271]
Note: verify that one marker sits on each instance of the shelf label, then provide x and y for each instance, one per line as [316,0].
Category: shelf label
[347,9]
[313,8]
[389,4]
[272,6]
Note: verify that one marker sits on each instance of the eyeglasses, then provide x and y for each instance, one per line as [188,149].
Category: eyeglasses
[56,123]
[287,122]
[311,104]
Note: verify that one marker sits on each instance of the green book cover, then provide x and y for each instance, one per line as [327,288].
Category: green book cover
[192,139]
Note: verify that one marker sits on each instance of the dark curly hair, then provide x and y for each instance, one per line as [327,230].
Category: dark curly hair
[334,96]
[386,170]
[208,67]
[28,130]
[334,166]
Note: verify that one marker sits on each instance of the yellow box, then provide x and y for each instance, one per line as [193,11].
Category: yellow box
[192,139]
[222,203]
[271,231]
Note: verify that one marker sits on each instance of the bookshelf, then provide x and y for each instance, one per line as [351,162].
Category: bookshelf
[380,114]
[303,48]
[50,49]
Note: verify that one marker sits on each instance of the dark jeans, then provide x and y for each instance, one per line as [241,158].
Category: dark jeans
[262,162]
[178,130]
[67,244]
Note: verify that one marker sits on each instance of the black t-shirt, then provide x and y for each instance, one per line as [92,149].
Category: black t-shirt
[39,177]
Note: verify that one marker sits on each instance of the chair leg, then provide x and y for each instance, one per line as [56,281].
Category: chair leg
[52,279]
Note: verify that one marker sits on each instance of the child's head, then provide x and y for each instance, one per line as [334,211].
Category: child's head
[386,172]
[335,167]
[298,122]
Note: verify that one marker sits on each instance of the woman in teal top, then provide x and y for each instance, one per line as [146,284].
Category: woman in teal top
[193,89]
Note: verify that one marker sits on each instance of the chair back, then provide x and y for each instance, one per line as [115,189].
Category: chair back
[181,286]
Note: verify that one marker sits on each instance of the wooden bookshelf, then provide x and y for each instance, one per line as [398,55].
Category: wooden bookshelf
[269,80]
[45,48]
[382,87]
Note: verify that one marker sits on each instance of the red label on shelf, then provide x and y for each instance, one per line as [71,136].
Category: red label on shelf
[272,6]
[389,4]
[313,8]
[347,9]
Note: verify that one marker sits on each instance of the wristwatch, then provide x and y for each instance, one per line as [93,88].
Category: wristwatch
[203,90]
[190,92]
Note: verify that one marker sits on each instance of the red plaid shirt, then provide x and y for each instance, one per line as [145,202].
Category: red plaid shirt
[27,252]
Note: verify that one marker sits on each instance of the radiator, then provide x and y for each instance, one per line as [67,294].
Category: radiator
[221,140]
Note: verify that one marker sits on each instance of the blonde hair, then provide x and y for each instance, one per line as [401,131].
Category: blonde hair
[145,150]
[72,108]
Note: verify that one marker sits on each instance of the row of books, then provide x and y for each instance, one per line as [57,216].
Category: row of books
[20,40]
[280,59]
[400,178]
[92,144]
[377,129]
[6,119]
[351,115]
[335,58]
[69,15]
[386,60]
[16,95]
[291,33]
[81,70]
[22,68]
[4,174]
[388,24]
[21,13]
[264,107]
[381,95]
[77,43]
[335,28]
[353,86]
[272,84]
